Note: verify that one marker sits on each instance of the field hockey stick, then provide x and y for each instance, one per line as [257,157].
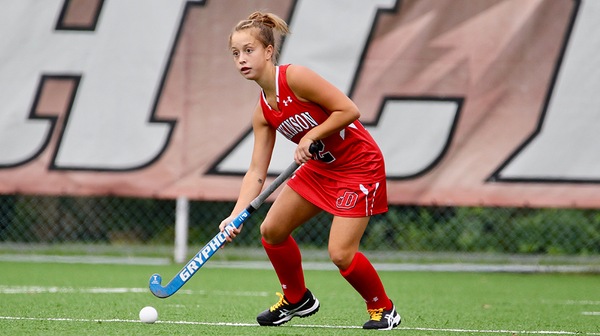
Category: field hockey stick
[219,240]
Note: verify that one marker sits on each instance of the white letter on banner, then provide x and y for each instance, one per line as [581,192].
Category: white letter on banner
[566,145]
[121,64]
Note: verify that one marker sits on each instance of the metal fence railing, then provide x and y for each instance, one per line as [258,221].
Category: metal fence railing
[118,221]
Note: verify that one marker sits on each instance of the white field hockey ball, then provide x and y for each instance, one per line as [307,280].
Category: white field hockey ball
[148,315]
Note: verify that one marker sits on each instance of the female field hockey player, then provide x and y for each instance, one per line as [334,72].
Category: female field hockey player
[346,177]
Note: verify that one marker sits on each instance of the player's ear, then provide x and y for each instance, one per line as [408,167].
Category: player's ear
[269,53]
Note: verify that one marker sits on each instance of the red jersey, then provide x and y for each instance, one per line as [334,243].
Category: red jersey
[351,155]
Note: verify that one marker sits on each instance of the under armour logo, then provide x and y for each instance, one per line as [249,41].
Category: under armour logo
[287,101]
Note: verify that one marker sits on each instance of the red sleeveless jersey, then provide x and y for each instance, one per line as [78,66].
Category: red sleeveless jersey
[351,155]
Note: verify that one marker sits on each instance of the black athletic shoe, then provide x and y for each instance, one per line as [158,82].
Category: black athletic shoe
[283,311]
[383,319]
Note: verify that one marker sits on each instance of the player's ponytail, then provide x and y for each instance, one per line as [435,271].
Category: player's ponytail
[270,29]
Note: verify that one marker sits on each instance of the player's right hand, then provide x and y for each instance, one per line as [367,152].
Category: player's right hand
[231,233]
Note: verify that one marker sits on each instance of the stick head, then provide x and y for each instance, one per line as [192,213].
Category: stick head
[156,287]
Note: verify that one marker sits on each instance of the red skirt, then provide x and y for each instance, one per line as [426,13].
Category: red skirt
[340,198]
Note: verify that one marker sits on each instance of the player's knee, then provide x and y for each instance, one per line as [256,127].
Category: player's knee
[265,232]
[342,259]
[270,234]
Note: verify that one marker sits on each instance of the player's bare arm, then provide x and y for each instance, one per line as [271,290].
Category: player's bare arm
[253,181]
[310,86]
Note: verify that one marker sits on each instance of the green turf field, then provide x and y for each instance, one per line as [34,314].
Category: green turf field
[85,299]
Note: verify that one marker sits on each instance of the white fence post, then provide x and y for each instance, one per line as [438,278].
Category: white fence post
[181,229]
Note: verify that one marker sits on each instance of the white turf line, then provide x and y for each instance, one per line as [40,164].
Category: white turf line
[100,290]
[226,324]
[407,267]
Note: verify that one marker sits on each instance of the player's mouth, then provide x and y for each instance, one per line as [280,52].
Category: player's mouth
[245,70]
